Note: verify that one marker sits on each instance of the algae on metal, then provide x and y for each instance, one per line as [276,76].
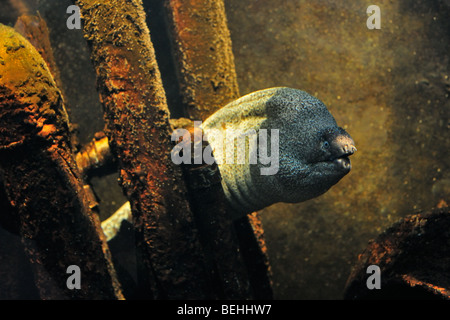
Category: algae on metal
[137,125]
[42,184]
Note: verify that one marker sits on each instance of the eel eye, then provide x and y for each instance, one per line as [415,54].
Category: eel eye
[326,144]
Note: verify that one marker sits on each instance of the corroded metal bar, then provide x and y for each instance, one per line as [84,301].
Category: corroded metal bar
[42,182]
[412,256]
[208,81]
[138,129]
[217,234]
[204,56]
[95,154]
[35,30]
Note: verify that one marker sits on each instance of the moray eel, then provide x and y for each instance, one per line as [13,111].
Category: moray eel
[312,150]
[306,153]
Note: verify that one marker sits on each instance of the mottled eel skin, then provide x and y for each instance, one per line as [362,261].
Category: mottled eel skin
[312,150]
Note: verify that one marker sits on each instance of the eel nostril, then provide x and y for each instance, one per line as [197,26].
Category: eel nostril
[348,149]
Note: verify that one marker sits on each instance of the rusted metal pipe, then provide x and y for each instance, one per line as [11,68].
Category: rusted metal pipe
[217,233]
[95,154]
[206,71]
[35,30]
[138,129]
[42,183]
[203,54]
[413,259]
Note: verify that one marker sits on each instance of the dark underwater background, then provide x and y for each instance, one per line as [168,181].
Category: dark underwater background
[388,88]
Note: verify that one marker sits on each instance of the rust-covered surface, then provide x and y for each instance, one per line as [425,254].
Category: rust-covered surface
[205,64]
[204,57]
[229,274]
[42,183]
[95,154]
[181,253]
[35,30]
[414,259]
[137,126]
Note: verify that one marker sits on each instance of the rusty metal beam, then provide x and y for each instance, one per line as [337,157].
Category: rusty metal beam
[205,64]
[413,258]
[217,233]
[35,30]
[138,129]
[42,183]
[204,57]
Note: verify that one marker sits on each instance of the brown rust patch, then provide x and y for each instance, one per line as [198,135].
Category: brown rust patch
[204,57]
[138,129]
[95,154]
[35,30]
[41,180]
[413,256]
[205,64]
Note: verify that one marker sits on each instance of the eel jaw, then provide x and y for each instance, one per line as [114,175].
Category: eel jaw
[342,159]
[343,162]
[343,147]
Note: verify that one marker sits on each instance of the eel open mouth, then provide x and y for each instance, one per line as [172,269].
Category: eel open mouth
[343,159]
